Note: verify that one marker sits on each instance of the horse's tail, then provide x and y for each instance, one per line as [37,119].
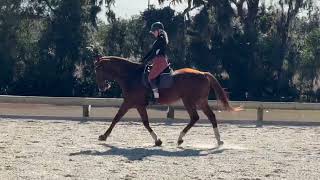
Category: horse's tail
[220,93]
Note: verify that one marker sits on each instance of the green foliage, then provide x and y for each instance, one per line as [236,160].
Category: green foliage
[309,66]
[264,52]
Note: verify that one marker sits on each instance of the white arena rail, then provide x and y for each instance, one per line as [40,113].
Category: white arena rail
[86,103]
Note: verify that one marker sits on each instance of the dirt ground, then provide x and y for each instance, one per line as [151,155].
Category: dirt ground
[38,147]
[43,111]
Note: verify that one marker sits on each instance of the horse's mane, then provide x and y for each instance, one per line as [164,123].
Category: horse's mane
[123,64]
[118,60]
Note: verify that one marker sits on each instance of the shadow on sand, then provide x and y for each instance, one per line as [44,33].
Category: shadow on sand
[133,154]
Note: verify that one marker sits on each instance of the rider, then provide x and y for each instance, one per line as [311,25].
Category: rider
[157,55]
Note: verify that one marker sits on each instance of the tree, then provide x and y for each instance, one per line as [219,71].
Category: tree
[267,52]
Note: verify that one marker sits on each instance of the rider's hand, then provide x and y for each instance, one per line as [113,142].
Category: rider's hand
[144,60]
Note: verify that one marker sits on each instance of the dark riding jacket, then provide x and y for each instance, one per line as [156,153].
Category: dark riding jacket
[158,47]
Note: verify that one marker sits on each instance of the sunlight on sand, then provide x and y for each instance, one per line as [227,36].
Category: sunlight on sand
[214,149]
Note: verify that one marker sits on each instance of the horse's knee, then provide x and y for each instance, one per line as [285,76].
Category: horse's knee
[195,117]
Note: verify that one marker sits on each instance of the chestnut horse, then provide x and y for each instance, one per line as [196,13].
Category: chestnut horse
[192,86]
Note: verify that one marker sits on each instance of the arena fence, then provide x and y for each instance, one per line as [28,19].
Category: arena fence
[87,103]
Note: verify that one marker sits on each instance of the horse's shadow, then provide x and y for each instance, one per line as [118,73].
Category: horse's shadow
[133,154]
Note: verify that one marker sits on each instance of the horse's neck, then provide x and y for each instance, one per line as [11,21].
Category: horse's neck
[126,68]
[127,72]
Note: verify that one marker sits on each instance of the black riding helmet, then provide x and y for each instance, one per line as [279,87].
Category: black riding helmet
[156,26]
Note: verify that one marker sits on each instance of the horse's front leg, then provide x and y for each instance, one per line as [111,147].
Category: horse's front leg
[121,112]
[144,116]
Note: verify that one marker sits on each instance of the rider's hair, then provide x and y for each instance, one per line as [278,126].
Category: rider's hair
[165,34]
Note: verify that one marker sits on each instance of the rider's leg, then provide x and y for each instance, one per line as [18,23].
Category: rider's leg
[159,64]
[152,79]
[154,88]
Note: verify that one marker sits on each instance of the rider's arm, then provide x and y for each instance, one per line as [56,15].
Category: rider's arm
[147,58]
[157,49]
[161,45]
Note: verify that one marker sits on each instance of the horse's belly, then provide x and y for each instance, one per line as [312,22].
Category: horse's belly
[168,96]
[191,86]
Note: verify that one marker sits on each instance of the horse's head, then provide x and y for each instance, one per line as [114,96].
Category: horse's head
[110,68]
[102,77]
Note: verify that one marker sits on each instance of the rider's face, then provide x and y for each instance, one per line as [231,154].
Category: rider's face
[155,33]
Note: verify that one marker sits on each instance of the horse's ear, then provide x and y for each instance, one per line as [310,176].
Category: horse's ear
[96,60]
[97,65]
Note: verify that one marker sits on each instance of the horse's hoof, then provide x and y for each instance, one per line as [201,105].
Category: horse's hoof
[180,142]
[158,142]
[102,138]
[220,143]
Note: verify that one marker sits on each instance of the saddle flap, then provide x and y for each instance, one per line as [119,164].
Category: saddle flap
[166,80]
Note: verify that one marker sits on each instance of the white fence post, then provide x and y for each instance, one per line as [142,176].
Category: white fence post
[259,117]
[86,110]
[170,112]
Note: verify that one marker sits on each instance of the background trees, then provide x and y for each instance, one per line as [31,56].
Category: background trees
[258,50]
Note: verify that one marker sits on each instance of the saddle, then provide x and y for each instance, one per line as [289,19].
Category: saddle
[163,81]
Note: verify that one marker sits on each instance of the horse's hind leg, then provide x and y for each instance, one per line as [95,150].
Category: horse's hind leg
[121,112]
[194,117]
[144,116]
[212,118]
